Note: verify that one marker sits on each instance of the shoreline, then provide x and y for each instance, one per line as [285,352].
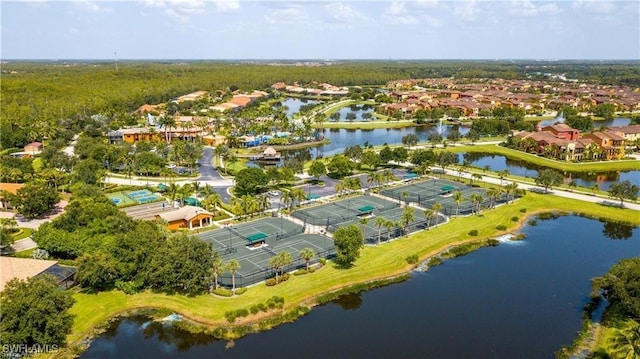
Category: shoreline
[308,298]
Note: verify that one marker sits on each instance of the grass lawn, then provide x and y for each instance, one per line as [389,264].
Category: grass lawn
[91,310]
[621,165]
[22,233]
[27,253]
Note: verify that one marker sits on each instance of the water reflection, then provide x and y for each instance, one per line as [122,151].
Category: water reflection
[349,301]
[616,230]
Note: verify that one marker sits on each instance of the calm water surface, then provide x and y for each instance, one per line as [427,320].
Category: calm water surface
[518,300]
[522,168]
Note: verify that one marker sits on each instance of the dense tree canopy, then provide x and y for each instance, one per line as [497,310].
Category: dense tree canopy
[250,181]
[348,241]
[35,312]
[621,285]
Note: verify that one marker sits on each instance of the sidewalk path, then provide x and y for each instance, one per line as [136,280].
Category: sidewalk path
[24,244]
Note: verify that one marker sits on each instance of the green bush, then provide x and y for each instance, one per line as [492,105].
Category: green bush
[323,261]
[412,259]
[223,292]
[533,222]
[515,219]
[272,281]
[519,237]
[254,309]
[492,242]
[501,227]
[523,210]
[434,261]
[129,287]
[241,291]
[473,232]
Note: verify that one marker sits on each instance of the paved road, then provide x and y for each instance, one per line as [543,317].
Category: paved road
[205,167]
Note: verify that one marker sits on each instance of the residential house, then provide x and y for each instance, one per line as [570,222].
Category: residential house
[630,133]
[25,268]
[33,148]
[562,130]
[6,188]
[611,144]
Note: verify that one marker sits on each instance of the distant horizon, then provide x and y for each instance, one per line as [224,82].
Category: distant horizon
[111,60]
[228,30]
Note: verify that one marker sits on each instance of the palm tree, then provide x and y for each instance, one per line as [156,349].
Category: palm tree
[510,189]
[298,194]
[476,200]
[625,342]
[275,262]
[172,191]
[307,254]
[493,194]
[407,218]
[263,203]
[572,185]
[436,208]
[486,168]
[476,176]
[285,260]
[379,222]
[196,187]
[503,174]
[429,214]
[388,175]
[363,222]
[218,266]
[405,194]
[595,188]
[232,267]
[458,197]
[287,198]
[389,225]
[212,202]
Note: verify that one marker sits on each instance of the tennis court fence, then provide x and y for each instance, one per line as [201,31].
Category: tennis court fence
[256,276]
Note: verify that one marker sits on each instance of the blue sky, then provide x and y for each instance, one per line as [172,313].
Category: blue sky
[238,29]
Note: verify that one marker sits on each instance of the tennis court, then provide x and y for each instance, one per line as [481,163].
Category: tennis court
[121,199]
[432,191]
[254,243]
[343,210]
[395,228]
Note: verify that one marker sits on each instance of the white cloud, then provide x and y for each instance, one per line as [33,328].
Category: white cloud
[467,10]
[528,8]
[286,15]
[182,10]
[91,6]
[343,13]
[595,6]
[397,13]
[37,3]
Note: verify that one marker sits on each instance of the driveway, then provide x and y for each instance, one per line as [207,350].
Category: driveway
[205,167]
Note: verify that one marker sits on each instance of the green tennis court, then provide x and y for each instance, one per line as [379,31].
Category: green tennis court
[254,243]
[121,199]
[343,210]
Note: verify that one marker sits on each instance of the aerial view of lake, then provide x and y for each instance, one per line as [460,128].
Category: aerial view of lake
[525,169]
[518,300]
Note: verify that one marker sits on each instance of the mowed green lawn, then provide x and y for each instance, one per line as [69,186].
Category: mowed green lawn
[387,260]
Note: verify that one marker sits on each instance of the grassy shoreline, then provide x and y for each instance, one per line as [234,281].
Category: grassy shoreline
[618,165]
[376,263]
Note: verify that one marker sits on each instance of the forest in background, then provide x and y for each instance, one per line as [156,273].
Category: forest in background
[41,95]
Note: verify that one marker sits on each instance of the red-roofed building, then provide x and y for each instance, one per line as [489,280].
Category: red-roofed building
[561,130]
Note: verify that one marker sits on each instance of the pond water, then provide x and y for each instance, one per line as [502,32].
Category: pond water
[357,110]
[618,121]
[518,300]
[294,104]
[522,168]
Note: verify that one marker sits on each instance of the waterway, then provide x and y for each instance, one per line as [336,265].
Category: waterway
[518,300]
[525,169]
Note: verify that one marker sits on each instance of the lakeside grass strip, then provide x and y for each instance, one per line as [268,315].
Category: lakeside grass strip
[617,165]
[375,263]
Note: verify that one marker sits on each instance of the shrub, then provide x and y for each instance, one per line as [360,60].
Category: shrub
[501,227]
[223,292]
[129,287]
[275,302]
[254,309]
[241,291]
[270,282]
[412,259]
[493,242]
[323,261]
[523,210]
[434,261]
[519,237]
[533,222]
[473,232]
[515,219]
